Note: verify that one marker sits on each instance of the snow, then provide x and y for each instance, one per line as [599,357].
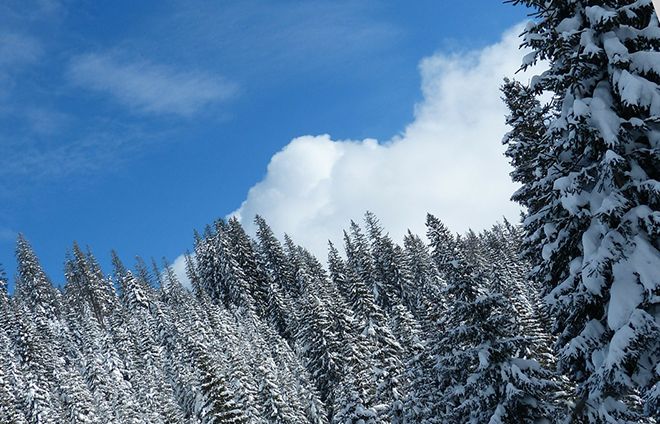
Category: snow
[570,25]
[575,265]
[584,342]
[580,108]
[622,344]
[597,15]
[549,229]
[644,261]
[637,91]
[589,47]
[646,62]
[484,358]
[596,251]
[529,59]
[616,51]
[602,114]
[625,296]
[571,200]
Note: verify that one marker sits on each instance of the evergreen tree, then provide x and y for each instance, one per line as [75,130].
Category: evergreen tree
[338,272]
[320,346]
[33,287]
[481,377]
[423,297]
[246,256]
[218,406]
[37,367]
[388,266]
[10,373]
[275,260]
[592,232]
[87,285]
[354,401]
[458,348]
[9,413]
[443,244]
[275,408]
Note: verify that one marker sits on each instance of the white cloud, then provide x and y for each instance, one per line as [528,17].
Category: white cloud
[148,87]
[449,161]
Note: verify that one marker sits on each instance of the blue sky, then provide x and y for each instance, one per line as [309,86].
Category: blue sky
[127,124]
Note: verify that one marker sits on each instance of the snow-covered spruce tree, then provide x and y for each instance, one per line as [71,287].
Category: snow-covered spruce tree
[244,251]
[354,399]
[275,409]
[442,243]
[359,276]
[142,272]
[302,277]
[276,261]
[423,297]
[281,275]
[388,266]
[593,222]
[10,411]
[10,405]
[215,405]
[33,287]
[421,393]
[482,378]
[338,272]
[87,285]
[416,382]
[77,402]
[37,366]
[506,277]
[319,346]
[360,262]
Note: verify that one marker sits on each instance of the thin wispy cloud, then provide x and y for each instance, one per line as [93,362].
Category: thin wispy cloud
[148,87]
[261,37]
[44,121]
[105,149]
[18,49]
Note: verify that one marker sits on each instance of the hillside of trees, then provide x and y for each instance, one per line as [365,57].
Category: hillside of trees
[268,335]
[555,319]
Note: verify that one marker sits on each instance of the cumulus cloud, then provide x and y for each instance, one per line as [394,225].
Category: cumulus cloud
[449,161]
[148,87]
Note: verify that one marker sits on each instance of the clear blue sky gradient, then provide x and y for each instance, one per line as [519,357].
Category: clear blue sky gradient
[79,164]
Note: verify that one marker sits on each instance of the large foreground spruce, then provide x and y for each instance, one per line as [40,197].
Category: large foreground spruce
[590,165]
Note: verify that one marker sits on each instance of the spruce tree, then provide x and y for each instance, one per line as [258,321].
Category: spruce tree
[481,377]
[388,266]
[33,287]
[275,260]
[592,228]
[443,244]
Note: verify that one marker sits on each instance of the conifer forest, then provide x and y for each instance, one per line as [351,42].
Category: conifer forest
[553,319]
